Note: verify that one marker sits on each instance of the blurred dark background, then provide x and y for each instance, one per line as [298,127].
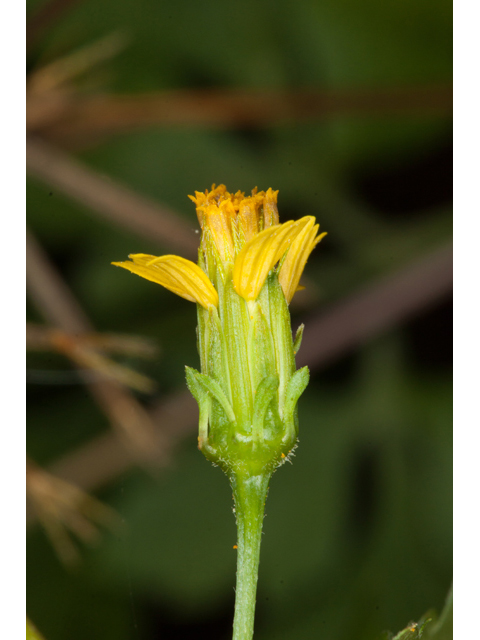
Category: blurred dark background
[345,107]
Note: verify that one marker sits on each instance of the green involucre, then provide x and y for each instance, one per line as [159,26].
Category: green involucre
[248,388]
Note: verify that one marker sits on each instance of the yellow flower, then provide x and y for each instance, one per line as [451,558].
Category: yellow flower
[242,240]
[248,386]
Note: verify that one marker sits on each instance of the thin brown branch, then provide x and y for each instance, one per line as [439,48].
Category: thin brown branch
[328,335]
[81,351]
[109,199]
[57,304]
[376,309]
[62,507]
[104,115]
[62,71]
[40,337]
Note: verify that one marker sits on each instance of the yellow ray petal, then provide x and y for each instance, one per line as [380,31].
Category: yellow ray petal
[297,257]
[258,256]
[181,276]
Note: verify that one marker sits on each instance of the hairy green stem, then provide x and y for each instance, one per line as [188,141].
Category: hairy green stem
[249,493]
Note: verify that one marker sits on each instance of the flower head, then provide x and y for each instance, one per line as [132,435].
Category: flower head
[249,268]
[241,237]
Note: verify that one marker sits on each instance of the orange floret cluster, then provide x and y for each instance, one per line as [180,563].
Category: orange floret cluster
[233,219]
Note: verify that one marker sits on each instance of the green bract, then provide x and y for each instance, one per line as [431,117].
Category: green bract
[248,389]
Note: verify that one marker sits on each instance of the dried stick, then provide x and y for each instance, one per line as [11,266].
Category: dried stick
[58,305]
[40,337]
[106,115]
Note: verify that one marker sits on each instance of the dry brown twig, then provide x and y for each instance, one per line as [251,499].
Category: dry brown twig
[63,115]
[59,307]
[61,72]
[40,337]
[60,506]
[83,118]
[83,351]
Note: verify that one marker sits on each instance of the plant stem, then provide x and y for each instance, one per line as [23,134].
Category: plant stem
[249,493]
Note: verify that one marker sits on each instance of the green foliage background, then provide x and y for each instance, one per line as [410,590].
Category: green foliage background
[357,534]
